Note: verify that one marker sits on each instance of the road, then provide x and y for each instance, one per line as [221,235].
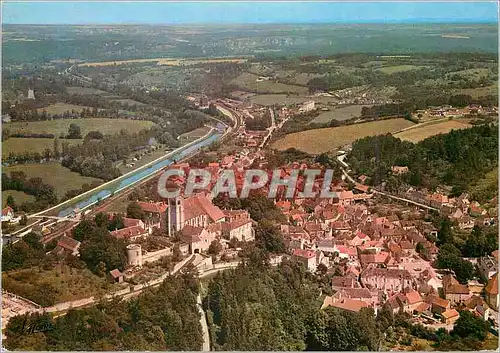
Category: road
[344,167]
[204,325]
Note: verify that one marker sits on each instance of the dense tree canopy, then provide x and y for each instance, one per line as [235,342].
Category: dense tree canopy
[456,158]
[165,318]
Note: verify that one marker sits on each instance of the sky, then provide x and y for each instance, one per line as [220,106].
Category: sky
[141,12]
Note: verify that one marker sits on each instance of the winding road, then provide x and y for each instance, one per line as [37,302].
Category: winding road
[344,166]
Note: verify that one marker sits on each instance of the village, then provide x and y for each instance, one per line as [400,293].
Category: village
[380,254]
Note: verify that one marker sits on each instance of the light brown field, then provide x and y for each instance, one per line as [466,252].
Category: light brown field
[60,108]
[53,173]
[18,145]
[323,140]
[104,125]
[420,133]
[167,61]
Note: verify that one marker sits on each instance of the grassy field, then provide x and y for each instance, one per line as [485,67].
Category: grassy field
[340,114]
[420,133]
[249,81]
[486,187]
[60,108]
[84,90]
[128,101]
[323,140]
[196,133]
[62,284]
[53,173]
[398,68]
[478,92]
[104,125]
[19,197]
[20,145]
[271,99]
[167,61]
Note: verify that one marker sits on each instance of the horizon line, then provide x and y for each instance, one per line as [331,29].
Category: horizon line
[380,22]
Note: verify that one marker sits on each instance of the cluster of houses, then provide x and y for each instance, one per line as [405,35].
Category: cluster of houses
[448,111]
[460,210]
[9,216]
[381,260]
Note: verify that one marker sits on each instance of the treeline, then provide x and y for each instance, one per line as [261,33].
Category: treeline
[100,251]
[160,319]
[45,194]
[25,253]
[95,158]
[455,246]
[258,307]
[457,158]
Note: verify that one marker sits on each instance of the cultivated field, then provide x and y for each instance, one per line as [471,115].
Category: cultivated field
[168,61]
[323,140]
[249,82]
[21,145]
[340,114]
[128,101]
[104,125]
[19,197]
[420,133]
[479,91]
[60,108]
[65,283]
[271,99]
[53,173]
[398,68]
[84,90]
[194,134]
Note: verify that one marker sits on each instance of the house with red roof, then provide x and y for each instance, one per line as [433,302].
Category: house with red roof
[116,275]
[67,246]
[362,294]
[491,292]
[155,213]
[132,233]
[7,214]
[347,304]
[454,291]
[240,229]
[390,280]
[198,239]
[307,257]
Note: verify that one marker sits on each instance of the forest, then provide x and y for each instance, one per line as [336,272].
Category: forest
[260,307]
[255,306]
[45,194]
[457,158]
[159,319]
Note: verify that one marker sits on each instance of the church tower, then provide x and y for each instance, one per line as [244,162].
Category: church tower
[31,94]
[175,214]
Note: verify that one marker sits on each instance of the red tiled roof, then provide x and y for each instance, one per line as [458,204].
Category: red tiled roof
[492,286]
[7,210]
[115,273]
[68,243]
[153,207]
[413,297]
[443,303]
[450,313]
[131,222]
[345,304]
[228,226]
[128,232]
[308,254]
[199,205]
[355,293]
[422,307]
